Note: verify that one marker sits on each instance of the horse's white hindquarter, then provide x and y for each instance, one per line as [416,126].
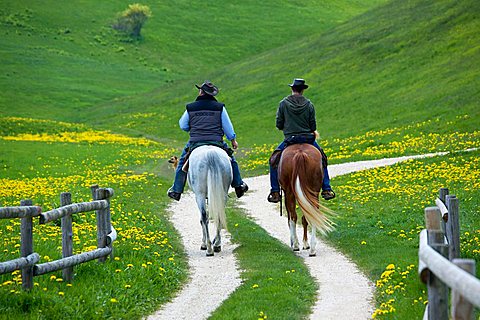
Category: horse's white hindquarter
[210,176]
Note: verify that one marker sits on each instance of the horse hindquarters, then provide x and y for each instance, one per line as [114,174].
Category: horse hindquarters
[210,175]
[300,175]
[217,185]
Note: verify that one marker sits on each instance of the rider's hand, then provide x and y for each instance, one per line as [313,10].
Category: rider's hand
[234,144]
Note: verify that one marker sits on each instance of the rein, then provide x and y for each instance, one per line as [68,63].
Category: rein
[281,202]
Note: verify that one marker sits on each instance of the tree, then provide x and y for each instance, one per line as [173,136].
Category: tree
[132,19]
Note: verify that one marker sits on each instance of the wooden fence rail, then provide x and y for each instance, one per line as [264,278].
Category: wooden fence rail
[439,266]
[106,235]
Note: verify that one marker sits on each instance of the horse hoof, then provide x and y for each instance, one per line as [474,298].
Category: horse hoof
[306,248]
[209,254]
[217,249]
[312,254]
[203,247]
[296,249]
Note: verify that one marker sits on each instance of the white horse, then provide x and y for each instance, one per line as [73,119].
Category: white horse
[210,176]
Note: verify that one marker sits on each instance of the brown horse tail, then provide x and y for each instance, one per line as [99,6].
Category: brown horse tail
[316,214]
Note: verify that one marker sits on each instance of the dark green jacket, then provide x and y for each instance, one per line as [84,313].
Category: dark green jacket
[296,115]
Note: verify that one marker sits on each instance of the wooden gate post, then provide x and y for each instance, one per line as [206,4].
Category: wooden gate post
[442,193]
[103,219]
[67,234]
[437,290]
[26,247]
[462,309]
[453,227]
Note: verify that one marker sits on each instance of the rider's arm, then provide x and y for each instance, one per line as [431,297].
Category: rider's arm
[280,119]
[227,126]
[313,120]
[184,122]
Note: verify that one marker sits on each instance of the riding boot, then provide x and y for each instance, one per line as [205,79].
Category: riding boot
[237,182]
[178,186]
[326,180]
[275,185]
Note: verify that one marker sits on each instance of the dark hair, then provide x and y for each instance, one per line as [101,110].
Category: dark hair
[298,89]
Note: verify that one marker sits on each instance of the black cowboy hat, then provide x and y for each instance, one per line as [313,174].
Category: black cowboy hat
[208,88]
[299,83]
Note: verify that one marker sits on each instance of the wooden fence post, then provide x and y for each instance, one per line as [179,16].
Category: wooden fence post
[437,290]
[442,193]
[462,309]
[103,226]
[453,227]
[108,219]
[26,247]
[67,234]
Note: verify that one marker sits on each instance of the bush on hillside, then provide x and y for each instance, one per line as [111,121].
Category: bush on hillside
[132,19]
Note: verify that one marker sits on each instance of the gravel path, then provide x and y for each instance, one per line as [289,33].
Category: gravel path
[212,279]
[345,293]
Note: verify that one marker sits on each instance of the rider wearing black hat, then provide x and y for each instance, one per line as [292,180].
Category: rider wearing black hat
[207,121]
[296,118]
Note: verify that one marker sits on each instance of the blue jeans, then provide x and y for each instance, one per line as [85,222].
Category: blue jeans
[274,172]
[181,176]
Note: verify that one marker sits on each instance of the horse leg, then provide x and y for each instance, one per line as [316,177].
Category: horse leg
[313,242]
[203,246]
[217,242]
[306,246]
[292,220]
[206,243]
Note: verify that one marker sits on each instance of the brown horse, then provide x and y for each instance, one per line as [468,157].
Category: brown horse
[300,176]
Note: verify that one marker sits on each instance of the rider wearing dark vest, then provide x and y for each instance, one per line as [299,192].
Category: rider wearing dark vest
[207,121]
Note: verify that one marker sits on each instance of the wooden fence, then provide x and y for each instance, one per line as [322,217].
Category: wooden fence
[106,234]
[439,264]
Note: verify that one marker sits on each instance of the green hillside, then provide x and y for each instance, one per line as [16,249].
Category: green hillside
[398,64]
[58,58]
[77,101]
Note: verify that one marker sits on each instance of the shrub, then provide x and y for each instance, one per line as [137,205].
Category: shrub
[132,19]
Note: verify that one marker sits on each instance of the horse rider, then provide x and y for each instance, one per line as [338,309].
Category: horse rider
[207,121]
[296,118]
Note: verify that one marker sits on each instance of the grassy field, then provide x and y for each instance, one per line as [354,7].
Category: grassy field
[64,57]
[383,213]
[387,78]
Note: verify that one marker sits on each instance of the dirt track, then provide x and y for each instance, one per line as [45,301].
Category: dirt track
[345,293]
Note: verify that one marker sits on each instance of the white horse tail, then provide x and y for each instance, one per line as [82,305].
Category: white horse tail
[316,214]
[216,192]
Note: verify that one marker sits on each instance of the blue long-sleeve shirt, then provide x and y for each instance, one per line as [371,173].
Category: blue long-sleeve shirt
[227,125]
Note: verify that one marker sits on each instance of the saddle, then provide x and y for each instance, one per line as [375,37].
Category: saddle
[195,145]
[302,138]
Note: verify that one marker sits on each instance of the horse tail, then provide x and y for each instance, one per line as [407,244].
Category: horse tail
[316,214]
[216,192]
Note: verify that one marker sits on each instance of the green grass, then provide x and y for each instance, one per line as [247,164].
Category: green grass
[382,212]
[62,57]
[276,283]
[396,65]
[387,78]
[149,264]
